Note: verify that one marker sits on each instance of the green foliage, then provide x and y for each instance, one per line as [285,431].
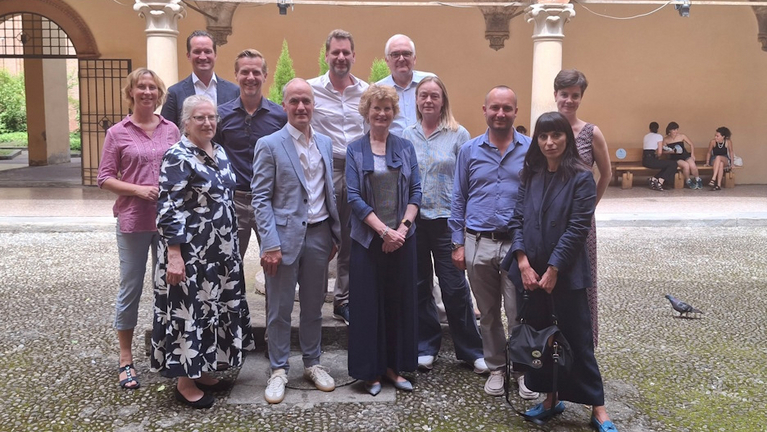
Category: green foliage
[74,141]
[13,104]
[13,139]
[378,71]
[323,64]
[283,73]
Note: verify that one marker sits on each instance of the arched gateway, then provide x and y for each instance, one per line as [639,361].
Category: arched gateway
[45,33]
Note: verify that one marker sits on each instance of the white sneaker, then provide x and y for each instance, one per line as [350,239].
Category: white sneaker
[524,392]
[426,362]
[320,377]
[494,384]
[480,367]
[275,387]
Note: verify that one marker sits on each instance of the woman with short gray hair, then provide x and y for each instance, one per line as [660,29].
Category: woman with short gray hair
[201,316]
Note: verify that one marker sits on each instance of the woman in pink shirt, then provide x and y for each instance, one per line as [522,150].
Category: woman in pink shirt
[130,167]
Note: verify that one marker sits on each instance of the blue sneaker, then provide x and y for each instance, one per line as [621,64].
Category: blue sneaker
[689,184]
[540,413]
[699,183]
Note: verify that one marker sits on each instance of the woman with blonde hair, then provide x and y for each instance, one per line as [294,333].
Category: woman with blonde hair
[437,137]
[384,190]
[130,168]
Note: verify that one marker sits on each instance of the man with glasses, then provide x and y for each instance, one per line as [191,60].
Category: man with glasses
[244,121]
[337,98]
[201,53]
[400,57]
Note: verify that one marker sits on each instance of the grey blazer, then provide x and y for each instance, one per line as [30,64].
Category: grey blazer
[177,94]
[280,196]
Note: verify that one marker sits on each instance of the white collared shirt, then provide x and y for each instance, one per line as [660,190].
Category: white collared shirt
[336,114]
[211,90]
[407,108]
[314,173]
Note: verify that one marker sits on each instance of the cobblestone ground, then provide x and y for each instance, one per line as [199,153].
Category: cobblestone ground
[58,356]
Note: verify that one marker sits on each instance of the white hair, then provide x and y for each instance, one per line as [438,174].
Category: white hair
[190,104]
[397,36]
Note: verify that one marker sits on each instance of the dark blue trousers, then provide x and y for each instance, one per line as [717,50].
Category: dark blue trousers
[382,310]
[434,240]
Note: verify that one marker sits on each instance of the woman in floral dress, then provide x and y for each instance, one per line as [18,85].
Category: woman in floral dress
[201,316]
[569,86]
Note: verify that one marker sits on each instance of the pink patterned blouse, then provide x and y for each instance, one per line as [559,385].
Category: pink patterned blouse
[133,157]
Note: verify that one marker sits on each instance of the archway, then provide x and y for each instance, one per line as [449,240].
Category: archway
[45,33]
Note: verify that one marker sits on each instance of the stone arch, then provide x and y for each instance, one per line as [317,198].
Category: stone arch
[64,16]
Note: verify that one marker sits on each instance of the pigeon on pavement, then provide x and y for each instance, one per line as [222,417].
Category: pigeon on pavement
[683,308]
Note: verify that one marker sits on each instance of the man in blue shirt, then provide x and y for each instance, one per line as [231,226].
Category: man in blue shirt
[243,122]
[484,194]
[400,57]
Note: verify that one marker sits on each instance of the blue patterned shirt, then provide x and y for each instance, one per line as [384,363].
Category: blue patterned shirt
[436,160]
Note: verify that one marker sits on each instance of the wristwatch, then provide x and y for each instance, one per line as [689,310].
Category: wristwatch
[456,245]
[407,223]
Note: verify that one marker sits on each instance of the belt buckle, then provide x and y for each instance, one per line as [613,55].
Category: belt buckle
[492,236]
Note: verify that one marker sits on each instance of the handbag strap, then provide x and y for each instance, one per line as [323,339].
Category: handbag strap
[523,309]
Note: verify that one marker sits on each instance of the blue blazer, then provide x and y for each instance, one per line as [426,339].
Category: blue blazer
[551,227]
[177,94]
[280,194]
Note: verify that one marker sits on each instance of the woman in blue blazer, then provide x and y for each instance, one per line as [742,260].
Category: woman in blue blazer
[552,218]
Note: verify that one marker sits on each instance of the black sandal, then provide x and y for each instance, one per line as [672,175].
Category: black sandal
[129,378]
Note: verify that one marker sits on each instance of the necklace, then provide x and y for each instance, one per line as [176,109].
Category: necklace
[720,144]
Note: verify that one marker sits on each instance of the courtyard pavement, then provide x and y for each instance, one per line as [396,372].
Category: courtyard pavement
[58,357]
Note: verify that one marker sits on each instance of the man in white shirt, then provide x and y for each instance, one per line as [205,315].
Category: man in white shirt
[336,102]
[299,227]
[400,57]
[201,53]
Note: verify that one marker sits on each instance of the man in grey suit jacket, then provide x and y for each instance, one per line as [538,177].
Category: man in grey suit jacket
[201,53]
[298,223]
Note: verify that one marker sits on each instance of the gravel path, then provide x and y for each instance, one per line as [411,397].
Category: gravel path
[58,353]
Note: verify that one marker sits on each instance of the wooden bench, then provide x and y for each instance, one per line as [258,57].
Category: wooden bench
[625,169]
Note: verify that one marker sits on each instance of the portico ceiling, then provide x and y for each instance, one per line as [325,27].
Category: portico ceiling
[498,14]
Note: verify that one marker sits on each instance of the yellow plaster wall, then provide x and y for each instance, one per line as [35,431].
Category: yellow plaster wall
[702,72]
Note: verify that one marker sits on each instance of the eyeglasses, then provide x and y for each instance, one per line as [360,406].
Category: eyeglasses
[397,54]
[201,119]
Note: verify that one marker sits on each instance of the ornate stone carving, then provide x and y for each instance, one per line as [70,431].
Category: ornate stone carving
[218,18]
[549,19]
[497,20]
[761,19]
[161,15]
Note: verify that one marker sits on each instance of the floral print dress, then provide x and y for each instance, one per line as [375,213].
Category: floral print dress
[204,320]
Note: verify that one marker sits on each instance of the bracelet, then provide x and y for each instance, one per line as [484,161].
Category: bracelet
[385,232]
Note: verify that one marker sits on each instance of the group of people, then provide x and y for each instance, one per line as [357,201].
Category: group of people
[384,177]
[676,151]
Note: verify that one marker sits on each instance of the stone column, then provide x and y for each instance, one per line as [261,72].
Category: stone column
[549,18]
[162,36]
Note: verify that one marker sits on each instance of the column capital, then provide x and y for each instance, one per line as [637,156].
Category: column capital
[549,19]
[161,15]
